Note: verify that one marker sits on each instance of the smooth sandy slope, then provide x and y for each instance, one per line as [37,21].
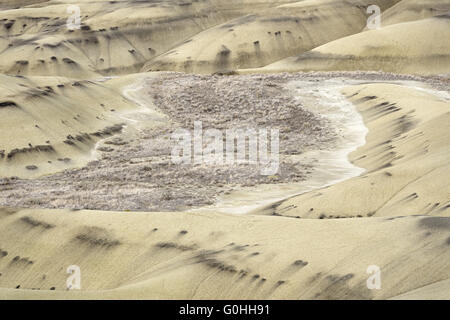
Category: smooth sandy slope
[410,10]
[53,123]
[405,43]
[55,107]
[393,48]
[187,255]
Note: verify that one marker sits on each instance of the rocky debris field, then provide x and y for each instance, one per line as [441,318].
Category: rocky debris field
[246,102]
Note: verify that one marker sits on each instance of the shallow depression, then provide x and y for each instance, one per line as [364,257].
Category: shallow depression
[330,166]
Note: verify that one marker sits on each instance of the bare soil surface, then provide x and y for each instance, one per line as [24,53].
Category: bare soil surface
[135,171]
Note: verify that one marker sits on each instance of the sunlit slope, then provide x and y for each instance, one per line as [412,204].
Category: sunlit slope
[48,123]
[435,291]
[405,157]
[256,40]
[116,37]
[212,256]
[417,47]
[410,10]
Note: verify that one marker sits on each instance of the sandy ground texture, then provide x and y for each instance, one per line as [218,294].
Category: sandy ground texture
[204,255]
[215,36]
[52,123]
[81,128]
[116,37]
[410,10]
[256,40]
[392,49]
[406,158]
[207,36]
[136,172]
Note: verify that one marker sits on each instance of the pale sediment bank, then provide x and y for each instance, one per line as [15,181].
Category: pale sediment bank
[405,157]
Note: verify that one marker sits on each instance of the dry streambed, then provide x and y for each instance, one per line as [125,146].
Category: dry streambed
[135,171]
